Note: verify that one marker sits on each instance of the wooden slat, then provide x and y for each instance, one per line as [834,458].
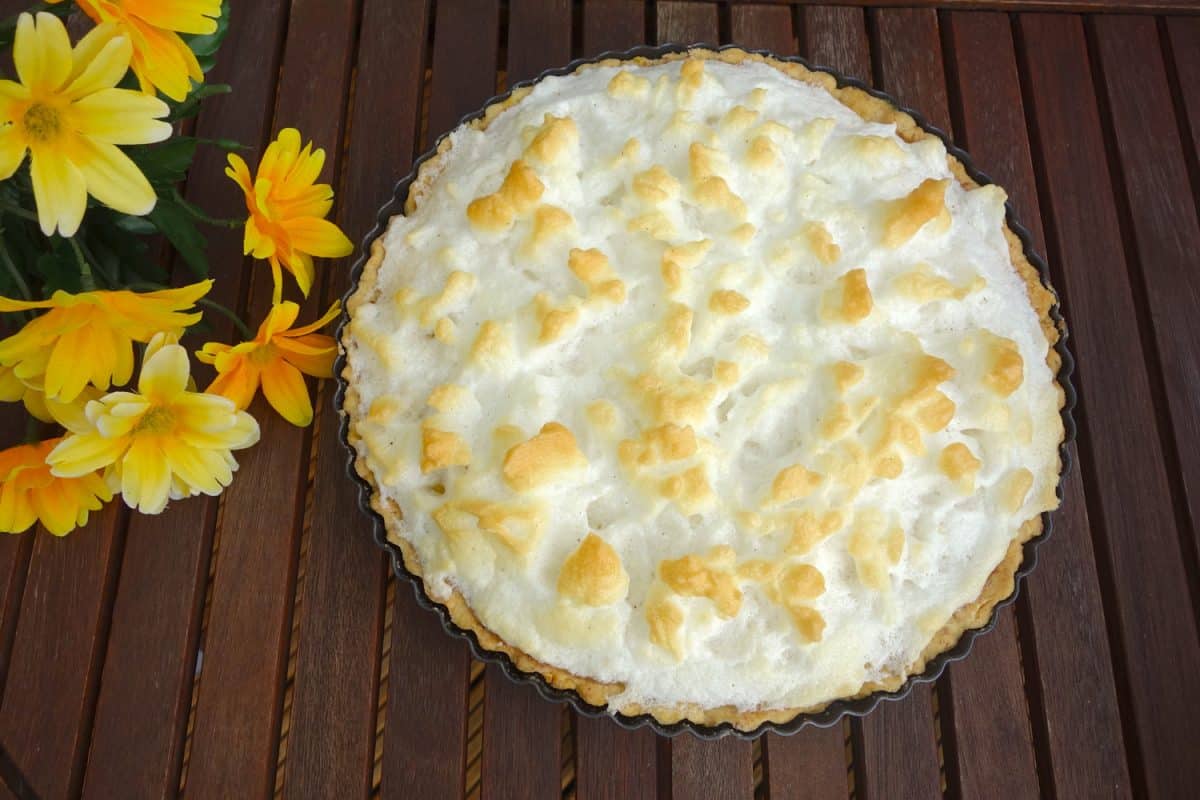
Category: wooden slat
[424,739]
[461,84]
[539,37]
[687,22]
[1062,620]
[342,603]
[837,37]
[614,763]
[991,730]
[613,25]
[1165,230]
[910,61]
[812,763]
[1183,34]
[14,566]
[763,26]
[1160,658]
[49,697]
[239,700]
[711,770]
[144,697]
[896,749]
[520,741]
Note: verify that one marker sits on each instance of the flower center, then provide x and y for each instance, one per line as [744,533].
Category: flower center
[156,420]
[42,123]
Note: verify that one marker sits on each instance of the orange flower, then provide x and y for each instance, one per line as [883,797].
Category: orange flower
[287,224]
[161,59]
[88,337]
[29,492]
[275,358]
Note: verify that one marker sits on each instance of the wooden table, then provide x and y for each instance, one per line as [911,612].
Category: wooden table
[258,645]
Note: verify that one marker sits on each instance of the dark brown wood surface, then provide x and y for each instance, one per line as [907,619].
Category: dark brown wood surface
[255,644]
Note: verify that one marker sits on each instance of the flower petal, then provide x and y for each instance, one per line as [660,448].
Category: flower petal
[238,384]
[42,52]
[81,453]
[101,70]
[60,191]
[112,177]
[185,16]
[284,388]
[326,318]
[12,151]
[165,374]
[121,116]
[278,320]
[318,237]
[145,477]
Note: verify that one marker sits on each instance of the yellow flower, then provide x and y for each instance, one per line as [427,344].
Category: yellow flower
[41,407]
[68,116]
[161,442]
[29,492]
[161,59]
[88,337]
[275,358]
[287,224]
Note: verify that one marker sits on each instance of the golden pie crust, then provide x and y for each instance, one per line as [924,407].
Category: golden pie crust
[1000,583]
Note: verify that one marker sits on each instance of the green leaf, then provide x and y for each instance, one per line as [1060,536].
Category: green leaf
[165,164]
[190,106]
[177,223]
[205,46]
[58,268]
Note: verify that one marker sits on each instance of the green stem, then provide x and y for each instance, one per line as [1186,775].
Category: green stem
[197,214]
[213,305]
[17,211]
[111,280]
[33,429]
[15,273]
[86,279]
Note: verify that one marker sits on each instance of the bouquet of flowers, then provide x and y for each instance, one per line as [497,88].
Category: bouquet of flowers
[93,148]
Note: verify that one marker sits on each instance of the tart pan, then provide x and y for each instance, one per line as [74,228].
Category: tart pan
[833,713]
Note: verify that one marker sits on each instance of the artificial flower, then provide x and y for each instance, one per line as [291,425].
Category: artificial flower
[30,492]
[88,337]
[287,224]
[275,358]
[67,115]
[161,442]
[161,59]
[13,389]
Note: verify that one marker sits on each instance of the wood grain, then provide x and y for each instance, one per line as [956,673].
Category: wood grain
[238,704]
[711,770]
[1183,33]
[896,749]
[613,25]
[837,37]
[539,37]
[763,27]
[144,698]
[520,741]
[1120,439]
[613,763]
[342,603]
[1095,6]
[1162,210]
[424,739]
[687,22]
[46,716]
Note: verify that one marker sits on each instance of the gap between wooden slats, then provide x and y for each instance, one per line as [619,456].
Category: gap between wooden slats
[1137,546]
